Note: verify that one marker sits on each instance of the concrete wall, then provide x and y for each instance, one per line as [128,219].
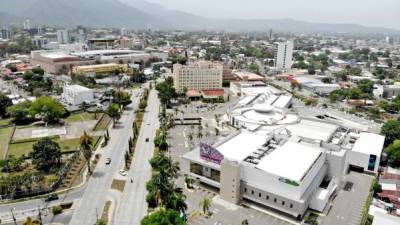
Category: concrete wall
[279,202]
[230,181]
[361,160]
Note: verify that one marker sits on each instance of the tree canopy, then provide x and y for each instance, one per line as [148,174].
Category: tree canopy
[163,217]
[166,91]
[49,109]
[46,155]
[4,103]
[393,152]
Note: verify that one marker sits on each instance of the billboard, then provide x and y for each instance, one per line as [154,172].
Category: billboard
[209,153]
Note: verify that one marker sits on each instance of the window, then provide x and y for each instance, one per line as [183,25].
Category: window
[252,192]
[274,199]
[283,202]
[259,195]
[245,190]
[267,197]
[291,205]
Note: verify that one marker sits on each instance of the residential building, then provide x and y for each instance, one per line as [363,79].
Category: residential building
[63,36]
[124,32]
[40,41]
[201,75]
[6,34]
[76,95]
[284,55]
[101,43]
[27,25]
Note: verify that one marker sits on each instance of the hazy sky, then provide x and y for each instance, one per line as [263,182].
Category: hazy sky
[366,12]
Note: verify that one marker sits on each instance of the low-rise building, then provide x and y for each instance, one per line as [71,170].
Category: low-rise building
[100,68]
[280,159]
[76,95]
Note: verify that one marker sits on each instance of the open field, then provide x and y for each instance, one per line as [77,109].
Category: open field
[5,122]
[66,145]
[5,135]
[83,116]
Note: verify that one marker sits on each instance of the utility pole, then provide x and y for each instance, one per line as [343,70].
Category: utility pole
[39,214]
[12,214]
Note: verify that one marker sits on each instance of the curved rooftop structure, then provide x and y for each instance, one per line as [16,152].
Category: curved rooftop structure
[262,109]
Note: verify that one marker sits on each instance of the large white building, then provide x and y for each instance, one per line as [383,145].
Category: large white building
[202,75]
[76,95]
[284,55]
[63,36]
[281,159]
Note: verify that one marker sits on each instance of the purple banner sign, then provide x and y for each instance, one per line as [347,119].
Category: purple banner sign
[209,153]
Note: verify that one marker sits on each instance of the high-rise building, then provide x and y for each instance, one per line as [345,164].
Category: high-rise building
[62,36]
[284,55]
[5,33]
[202,75]
[27,25]
[124,32]
[39,41]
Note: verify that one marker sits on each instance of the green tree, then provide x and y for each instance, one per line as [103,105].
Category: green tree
[30,221]
[393,152]
[48,108]
[20,112]
[12,67]
[114,112]
[5,102]
[163,217]
[46,155]
[166,91]
[86,143]
[391,131]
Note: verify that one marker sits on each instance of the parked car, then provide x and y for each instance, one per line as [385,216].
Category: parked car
[108,161]
[51,197]
[123,173]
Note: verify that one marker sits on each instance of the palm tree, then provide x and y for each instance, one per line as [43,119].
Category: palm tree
[86,143]
[205,204]
[177,201]
[176,111]
[199,135]
[114,112]
[29,221]
[190,136]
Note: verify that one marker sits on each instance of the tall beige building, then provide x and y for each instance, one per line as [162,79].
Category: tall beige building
[202,75]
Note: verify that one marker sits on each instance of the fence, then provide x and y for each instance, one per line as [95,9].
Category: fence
[62,173]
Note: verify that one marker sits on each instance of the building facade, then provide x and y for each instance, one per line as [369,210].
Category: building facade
[284,55]
[63,36]
[76,95]
[202,75]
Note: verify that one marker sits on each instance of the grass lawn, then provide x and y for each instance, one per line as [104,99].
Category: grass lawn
[83,116]
[25,148]
[5,135]
[4,122]
[103,124]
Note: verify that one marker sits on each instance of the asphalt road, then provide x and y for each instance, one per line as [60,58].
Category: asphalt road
[132,206]
[20,208]
[98,187]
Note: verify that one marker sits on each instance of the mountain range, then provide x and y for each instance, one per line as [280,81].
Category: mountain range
[140,14]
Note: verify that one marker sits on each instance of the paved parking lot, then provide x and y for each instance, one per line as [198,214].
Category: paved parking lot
[347,206]
[224,213]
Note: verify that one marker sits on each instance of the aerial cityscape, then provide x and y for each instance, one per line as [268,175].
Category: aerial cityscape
[175,112]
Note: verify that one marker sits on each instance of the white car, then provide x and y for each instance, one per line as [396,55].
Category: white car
[122,173]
